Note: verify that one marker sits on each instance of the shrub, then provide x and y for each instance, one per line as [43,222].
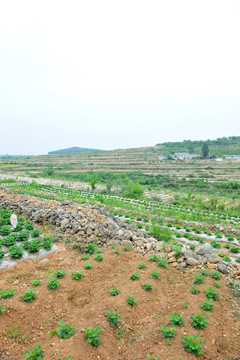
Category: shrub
[131,300]
[10,240]
[29,225]
[29,295]
[215,244]
[86,257]
[227,258]
[191,345]
[36,233]
[147,286]
[135,275]
[113,291]
[194,289]
[168,332]
[35,354]
[193,247]
[76,275]
[207,305]
[211,293]
[59,274]
[65,331]
[155,274]
[47,242]
[23,235]
[161,233]
[215,275]
[35,282]
[90,248]
[53,283]
[142,265]
[98,257]
[33,246]
[234,249]
[5,230]
[88,266]
[176,319]
[198,279]
[162,262]
[139,225]
[6,294]
[113,317]
[16,252]
[91,335]
[198,321]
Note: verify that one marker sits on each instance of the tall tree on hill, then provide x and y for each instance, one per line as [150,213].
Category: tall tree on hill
[205,150]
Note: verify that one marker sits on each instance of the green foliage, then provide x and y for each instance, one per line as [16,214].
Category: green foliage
[88,266]
[142,265]
[5,230]
[126,248]
[162,262]
[29,295]
[23,235]
[36,232]
[2,309]
[211,293]
[28,225]
[16,252]
[2,254]
[131,300]
[33,246]
[132,190]
[199,321]
[76,275]
[207,305]
[35,354]
[86,257]
[6,294]
[98,257]
[215,275]
[204,272]
[198,279]
[59,273]
[147,286]
[36,282]
[168,332]
[184,304]
[113,318]
[91,335]
[65,331]
[176,319]
[10,239]
[161,234]
[135,275]
[153,257]
[53,284]
[205,150]
[215,244]
[191,345]
[113,291]
[155,274]
[47,242]
[194,289]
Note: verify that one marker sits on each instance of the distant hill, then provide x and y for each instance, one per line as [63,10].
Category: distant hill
[219,147]
[74,149]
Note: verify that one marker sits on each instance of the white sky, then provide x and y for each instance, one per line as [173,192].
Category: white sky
[115,74]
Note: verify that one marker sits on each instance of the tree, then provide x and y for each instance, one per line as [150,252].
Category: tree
[205,150]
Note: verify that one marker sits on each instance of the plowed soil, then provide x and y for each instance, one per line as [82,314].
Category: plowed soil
[84,303]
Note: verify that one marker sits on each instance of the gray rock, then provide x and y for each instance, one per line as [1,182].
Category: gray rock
[43,263]
[204,249]
[223,268]
[189,254]
[192,262]
[213,258]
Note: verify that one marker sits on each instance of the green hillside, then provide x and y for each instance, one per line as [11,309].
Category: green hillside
[75,149]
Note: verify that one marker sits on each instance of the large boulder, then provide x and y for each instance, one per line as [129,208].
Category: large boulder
[205,249]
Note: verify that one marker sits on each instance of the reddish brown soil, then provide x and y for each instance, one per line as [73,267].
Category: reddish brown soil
[85,302]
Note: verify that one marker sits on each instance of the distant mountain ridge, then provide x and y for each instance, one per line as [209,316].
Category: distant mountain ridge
[74,149]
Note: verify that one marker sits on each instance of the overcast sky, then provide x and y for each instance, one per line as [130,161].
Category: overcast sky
[117,74]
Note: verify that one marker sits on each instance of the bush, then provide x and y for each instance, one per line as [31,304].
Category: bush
[10,240]
[53,284]
[47,242]
[113,291]
[113,317]
[207,305]
[98,257]
[29,295]
[161,234]
[36,233]
[167,332]
[35,282]
[155,274]
[215,275]
[135,275]
[23,235]
[198,321]
[215,244]
[33,246]
[35,354]
[86,257]
[16,252]
[92,337]
[59,274]
[6,294]
[131,300]
[191,345]
[176,319]
[142,265]
[5,230]
[29,225]
[147,286]
[76,275]
[65,331]
[90,248]
[211,293]
[198,279]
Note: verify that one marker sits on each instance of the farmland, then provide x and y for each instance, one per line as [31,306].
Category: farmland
[122,256]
